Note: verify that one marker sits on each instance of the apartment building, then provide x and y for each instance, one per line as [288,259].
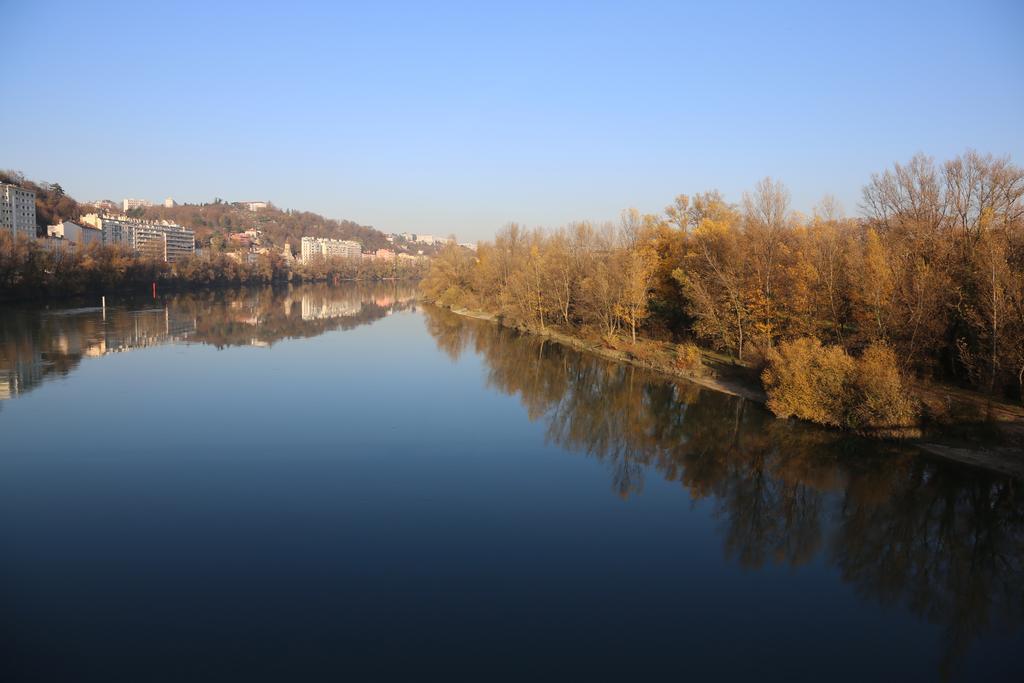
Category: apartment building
[158,239]
[313,247]
[73,233]
[130,204]
[17,211]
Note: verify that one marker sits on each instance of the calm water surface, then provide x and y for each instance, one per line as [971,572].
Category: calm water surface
[321,483]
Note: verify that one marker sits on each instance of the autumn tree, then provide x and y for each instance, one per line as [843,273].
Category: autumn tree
[640,266]
[766,219]
[713,277]
[601,290]
[448,280]
[829,242]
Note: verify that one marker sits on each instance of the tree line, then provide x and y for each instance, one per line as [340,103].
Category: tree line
[930,278]
[32,269]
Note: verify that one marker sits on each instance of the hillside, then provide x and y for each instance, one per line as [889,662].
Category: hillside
[214,220]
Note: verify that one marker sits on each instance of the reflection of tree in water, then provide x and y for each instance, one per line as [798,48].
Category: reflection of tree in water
[944,541]
[947,544]
[449,333]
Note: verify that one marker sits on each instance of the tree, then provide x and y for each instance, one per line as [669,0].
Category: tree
[995,315]
[872,287]
[562,275]
[766,217]
[828,247]
[641,264]
[529,286]
[713,277]
[602,288]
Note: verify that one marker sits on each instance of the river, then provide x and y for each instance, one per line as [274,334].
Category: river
[319,482]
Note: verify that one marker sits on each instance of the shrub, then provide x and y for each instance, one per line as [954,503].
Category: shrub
[688,359]
[806,380]
[826,385]
[880,399]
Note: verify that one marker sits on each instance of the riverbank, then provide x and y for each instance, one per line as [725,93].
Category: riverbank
[945,439]
[734,386]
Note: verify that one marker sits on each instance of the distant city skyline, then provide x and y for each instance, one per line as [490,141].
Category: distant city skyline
[445,118]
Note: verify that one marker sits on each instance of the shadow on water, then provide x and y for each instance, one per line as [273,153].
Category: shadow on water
[943,541]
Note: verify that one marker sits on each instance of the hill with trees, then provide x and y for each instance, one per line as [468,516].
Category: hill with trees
[212,222]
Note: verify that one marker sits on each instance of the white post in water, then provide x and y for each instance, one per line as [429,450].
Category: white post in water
[103,303]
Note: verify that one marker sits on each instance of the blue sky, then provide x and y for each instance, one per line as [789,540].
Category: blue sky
[459,117]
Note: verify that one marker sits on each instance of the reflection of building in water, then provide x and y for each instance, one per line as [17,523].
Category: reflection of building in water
[321,308]
[39,346]
[22,376]
[245,311]
[178,325]
[22,373]
[141,329]
[97,349]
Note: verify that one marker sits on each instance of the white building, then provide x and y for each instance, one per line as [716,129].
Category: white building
[130,204]
[255,206]
[158,239]
[73,233]
[313,247]
[169,203]
[18,211]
